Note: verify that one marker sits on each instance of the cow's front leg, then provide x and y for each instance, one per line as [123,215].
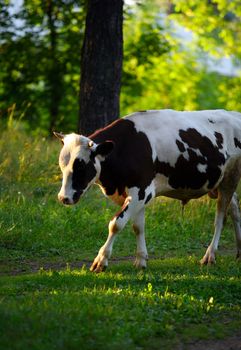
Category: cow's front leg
[116,224]
[139,229]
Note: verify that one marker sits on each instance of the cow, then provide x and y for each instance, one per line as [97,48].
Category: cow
[178,154]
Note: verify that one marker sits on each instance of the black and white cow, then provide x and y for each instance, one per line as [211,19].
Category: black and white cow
[182,155]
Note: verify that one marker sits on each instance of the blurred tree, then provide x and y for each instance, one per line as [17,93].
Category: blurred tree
[56,71]
[216,23]
[40,59]
[5,19]
[144,47]
[174,72]
[101,64]
[40,62]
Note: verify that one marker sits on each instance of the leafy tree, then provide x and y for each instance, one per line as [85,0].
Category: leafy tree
[144,43]
[216,25]
[215,22]
[179,76]
[158,73]
[41,62]
[40,59]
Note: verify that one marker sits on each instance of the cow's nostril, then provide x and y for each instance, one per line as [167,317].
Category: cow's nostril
[65,200]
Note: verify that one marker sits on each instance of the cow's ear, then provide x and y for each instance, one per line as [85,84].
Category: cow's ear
[59,136]
[105,148]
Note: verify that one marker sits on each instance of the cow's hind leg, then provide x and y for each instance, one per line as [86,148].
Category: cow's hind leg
[226,191]
[222,204]
[139,229]
[235,214]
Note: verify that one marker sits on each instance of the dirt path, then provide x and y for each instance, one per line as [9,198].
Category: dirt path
[231,343]
[30,266]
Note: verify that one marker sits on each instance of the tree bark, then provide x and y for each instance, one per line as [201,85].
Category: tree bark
[101,65]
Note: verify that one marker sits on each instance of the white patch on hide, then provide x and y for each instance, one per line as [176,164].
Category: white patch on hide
[202,168]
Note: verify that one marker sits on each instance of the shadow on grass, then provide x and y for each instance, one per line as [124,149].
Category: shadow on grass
[174,301]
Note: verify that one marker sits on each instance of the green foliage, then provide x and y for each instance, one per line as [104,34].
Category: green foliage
[178,77]
[160,69]
[44,78]
[144,42]
[216,24]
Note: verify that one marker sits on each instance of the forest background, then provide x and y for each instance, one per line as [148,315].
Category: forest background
[173,56]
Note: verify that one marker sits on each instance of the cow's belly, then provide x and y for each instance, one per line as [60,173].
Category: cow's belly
[184,194]
[162,188]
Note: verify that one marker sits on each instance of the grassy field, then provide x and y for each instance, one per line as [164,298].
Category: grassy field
[50,300]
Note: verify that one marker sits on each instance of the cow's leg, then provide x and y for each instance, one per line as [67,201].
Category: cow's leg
[235,214]
[139,229]
[129,209]
[226,191]
[222,204]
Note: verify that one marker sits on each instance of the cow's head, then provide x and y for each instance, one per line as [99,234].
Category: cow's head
[80,163]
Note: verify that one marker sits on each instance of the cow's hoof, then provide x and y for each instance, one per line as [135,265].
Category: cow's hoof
[141,259]
[238,256]
[140,264]
[208,260]
[97,267]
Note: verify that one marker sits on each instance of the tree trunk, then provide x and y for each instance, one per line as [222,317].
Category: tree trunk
[101,65]
[54,74]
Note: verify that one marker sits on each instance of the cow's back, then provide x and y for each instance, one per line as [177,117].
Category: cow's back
[178,152]
[167,130]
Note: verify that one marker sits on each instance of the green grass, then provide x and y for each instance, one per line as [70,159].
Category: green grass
[173,302]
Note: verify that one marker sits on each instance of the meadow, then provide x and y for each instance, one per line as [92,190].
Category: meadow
[50,300]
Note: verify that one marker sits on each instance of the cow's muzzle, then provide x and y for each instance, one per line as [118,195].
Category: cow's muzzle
[70,201]
[65,200]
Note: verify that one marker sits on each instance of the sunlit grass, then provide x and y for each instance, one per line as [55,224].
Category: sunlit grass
[61,307]
[120,308]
